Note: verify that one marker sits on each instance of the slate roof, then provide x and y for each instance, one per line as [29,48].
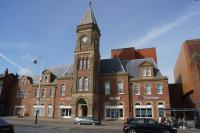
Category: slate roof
[88,17]
[111,66]
[115,65]
[107,66]
[58,71]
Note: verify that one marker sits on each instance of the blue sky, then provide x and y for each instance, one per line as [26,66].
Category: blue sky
[47,29]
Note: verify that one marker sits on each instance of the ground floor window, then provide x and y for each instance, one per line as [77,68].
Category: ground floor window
[65,111]
[161,109]
[114,112]
[19,110]
[40,110]
[50,111]
[143,111]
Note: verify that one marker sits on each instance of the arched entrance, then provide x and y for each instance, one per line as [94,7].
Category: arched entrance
[81,108]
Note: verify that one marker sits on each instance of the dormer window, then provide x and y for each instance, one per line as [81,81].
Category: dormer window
[146,72]
[23,81]
[45,78]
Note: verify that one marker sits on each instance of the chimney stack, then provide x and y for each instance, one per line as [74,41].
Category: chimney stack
[6,72]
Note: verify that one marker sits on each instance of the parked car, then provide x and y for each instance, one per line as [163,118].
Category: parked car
[5,127]
[86,120]
[146,125]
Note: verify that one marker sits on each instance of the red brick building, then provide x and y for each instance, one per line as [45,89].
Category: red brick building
[123,86]
[8,81]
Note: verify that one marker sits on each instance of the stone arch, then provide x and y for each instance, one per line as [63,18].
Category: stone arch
[82,106]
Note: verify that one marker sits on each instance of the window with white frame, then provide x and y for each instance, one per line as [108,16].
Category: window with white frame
[80,84]
[45,78]
[136,89]
[161,109]
[120,87]
[80,64]
[84,64]
[40,110]
[44,92]
[86,84]
[62,90]
[21,94]
[51,92]
[37,93]
[50,110]
[114,112]
[107,87]
[147,88]
[143,111]
[147,71]
[159,88]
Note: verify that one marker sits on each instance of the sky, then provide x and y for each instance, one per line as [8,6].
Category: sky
[46,30]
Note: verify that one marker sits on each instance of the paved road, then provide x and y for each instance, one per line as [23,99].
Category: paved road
[56,126]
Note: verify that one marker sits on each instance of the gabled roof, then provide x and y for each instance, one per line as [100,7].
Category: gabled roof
[130,66]
[58,71]
[88,17]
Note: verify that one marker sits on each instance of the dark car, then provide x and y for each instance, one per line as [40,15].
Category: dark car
[86,120]
[146,125]
[5,127]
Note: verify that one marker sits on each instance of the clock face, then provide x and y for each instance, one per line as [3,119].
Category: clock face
[84,39]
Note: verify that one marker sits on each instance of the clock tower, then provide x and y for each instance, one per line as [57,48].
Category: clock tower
[85,93]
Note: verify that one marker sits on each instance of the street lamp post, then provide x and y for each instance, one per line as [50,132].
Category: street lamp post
[38,98]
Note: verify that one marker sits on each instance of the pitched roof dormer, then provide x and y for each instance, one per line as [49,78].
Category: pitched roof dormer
[146,69]
[25,80]
[46,76]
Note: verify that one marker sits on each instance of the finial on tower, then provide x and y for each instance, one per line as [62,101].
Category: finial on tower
[90,4]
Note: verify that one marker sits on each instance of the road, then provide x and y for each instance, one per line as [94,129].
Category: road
[59,126]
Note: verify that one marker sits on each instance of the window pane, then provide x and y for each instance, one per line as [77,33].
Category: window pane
[137,112]
[120,87]
[86,84]
[136,89]
[107,112]
[148,89]
[121,112]
[62,90]
[80,84]
[143,112]
[107,88]
[159,89]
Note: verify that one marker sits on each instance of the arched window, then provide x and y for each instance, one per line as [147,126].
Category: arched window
[80,64]
[148,89]
[86,84]
[62,90]
[88,63]
[107,87]
[50,110]
[120,87]
[161,109]
[159,88]
[84,64]
[80,84]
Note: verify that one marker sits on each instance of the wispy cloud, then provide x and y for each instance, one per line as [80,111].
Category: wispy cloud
[21,45]
[22,70]
[159,30]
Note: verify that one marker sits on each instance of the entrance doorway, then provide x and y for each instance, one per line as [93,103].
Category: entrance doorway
[81,108]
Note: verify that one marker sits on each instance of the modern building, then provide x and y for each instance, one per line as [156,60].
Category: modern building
[123,86]
[187,73]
